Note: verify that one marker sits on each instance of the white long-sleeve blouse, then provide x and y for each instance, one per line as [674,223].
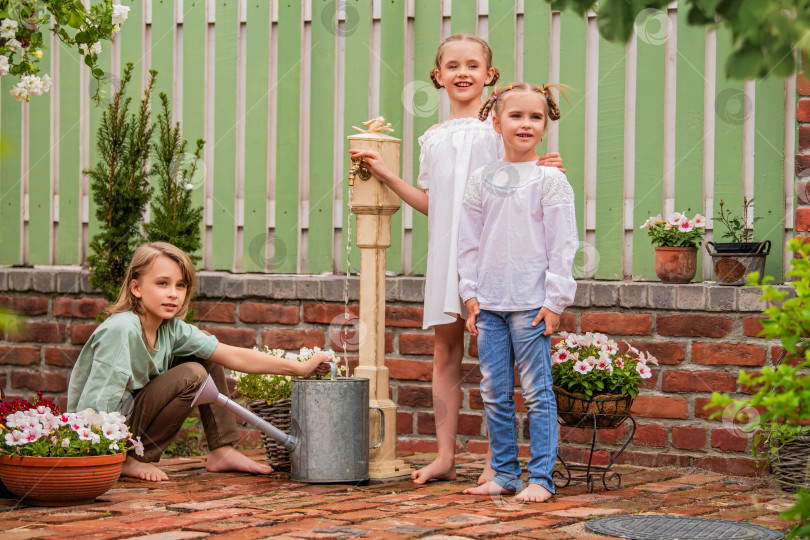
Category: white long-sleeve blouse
[517,238]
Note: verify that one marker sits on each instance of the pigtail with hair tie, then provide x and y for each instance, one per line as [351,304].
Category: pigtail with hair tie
[487,107]
[435,81]
[553,107]
[495,77]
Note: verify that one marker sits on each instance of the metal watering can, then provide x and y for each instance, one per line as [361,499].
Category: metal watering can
[330,424]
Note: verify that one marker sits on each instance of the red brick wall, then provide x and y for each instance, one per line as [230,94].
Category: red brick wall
[802,222]
[703,336]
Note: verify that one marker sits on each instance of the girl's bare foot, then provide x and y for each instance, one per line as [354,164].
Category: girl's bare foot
[227,458]
[143,471]
[489,488]
[487,475]
[436,470]
[534,493]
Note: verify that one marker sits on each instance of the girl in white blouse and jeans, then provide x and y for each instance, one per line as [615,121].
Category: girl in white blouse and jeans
[516,245]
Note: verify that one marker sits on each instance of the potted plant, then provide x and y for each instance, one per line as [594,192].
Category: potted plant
[49,458]
[676,240]
[740,256]
[592,377]
[783,391]
[268,397]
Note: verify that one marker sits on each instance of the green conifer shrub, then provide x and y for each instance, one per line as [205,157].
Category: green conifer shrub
[174,218]
[120,186]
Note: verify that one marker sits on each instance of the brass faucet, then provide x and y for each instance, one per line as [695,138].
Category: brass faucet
[358,169]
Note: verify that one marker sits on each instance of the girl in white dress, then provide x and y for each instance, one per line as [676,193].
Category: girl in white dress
[451,150]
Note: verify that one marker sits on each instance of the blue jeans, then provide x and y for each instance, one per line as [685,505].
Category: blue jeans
[506,337]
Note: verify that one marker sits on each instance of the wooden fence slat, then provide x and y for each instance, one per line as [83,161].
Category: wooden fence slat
[96,112]
[610,160]
[193,74]
[427,31]
[572,122]
[67,239]
[502,37]
[131,40]
[536,31]
[224,211]
[768,179]
[730,108]
[464,17]
[10,181]
[162,47]
[256,95]
[321,121]
[392,80]
[39,185]
[648,193]
[355,105]
[287,122]
[689,120]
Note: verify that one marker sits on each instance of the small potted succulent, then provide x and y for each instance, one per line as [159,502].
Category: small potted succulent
[51,458]
[676,240]
[591,376]
[740,255]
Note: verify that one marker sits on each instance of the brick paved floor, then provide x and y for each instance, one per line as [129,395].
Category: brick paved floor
[197,504]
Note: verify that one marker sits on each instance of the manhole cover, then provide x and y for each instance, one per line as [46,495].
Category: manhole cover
[678,528]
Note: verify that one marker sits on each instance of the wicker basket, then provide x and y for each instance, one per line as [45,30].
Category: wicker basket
[792,464]
[609,410]
[280,416]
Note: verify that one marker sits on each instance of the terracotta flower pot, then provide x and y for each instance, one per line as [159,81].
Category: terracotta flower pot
[60,481]
[676,264]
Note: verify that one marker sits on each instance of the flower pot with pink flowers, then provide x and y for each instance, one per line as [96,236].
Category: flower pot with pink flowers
[676,242]
[49,458]
[594,383]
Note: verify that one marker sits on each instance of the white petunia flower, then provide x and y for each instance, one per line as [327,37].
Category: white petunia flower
[95,48]
[14,45]
[137,445]
[65,442]
[3,65]
[8,28]
[120,14]
[19,93]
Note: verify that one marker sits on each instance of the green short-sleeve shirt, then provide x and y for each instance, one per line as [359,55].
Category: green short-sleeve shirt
[115,361]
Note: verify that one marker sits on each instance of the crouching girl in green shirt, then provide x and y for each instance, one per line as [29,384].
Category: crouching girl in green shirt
[134,364]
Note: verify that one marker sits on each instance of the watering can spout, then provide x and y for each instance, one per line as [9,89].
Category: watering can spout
[208,393]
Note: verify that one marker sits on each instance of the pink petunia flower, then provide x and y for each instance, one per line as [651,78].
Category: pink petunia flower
[644,371]
[137,445]
[15,437]
[583,367]
[619,362]
[685,226]
[603,364]
[560,357]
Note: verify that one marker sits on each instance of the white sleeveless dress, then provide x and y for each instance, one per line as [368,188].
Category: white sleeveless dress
[450,153]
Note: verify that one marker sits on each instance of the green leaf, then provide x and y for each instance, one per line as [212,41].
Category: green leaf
[744,63]
[615,19]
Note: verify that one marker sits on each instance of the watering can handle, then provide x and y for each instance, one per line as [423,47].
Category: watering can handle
[382,428]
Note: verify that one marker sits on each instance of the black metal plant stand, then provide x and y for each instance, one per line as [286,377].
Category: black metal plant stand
[590,472]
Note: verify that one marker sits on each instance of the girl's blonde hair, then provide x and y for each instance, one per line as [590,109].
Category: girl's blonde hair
[464,37]
[142,259]
[495,103]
